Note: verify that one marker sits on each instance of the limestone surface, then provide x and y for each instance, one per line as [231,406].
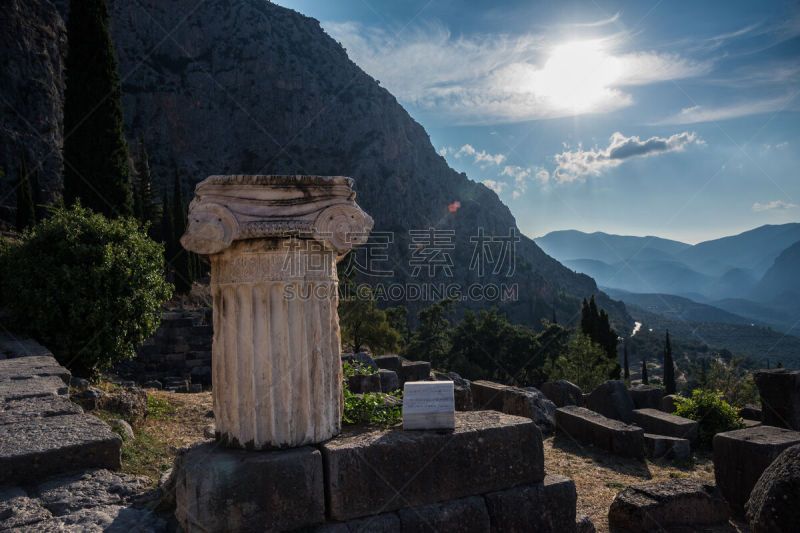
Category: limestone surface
[589,427]
[774,503]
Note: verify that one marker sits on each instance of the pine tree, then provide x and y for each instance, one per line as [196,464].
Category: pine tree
[669,368]
[645,381]
[181,262]
[26,210]
[555,320]
[167,231]
[95,151]
[625,360]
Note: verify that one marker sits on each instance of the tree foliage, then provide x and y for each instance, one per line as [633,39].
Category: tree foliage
[596,325]
[95,150]
[87,287]
[669,367]
[584,363]
[147,207]
[711,411]
[26,209]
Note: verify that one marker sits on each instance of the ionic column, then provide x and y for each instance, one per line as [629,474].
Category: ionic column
[273,243]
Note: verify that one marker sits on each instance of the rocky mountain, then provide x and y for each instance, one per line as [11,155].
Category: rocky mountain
[250,87]
[32,53]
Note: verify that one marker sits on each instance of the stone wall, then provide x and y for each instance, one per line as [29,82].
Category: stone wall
[179,352]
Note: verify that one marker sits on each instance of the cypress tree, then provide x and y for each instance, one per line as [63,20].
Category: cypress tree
[95,151]
[167,231]
[669,368]
[26,210]
[181,260]
[147,207]
[645,381]
[625,360]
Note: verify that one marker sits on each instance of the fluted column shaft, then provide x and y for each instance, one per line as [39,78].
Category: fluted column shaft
[276,368]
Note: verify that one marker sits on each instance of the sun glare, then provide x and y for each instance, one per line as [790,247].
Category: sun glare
[578,75]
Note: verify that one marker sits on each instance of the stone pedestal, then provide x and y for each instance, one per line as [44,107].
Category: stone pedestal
[273,243]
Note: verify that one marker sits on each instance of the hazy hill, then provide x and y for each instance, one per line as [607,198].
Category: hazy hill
[753,250]
[678,308]
[572,244]
[781,283]
[222,87]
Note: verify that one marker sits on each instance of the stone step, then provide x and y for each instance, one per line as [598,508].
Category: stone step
[17,389]
[373,471]
[661,423]
[589,427]
[657,446]
[32,450]
[33,366]
[26,409]
[741,456]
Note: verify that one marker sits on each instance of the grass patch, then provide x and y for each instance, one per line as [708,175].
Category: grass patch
[159,407]
[147,455]
[615,485]
[678,475]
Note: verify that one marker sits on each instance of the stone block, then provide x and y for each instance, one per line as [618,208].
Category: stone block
[660,506]
[389,362]
[612,399]
[362,358]
[219,489]
[589,427]
[361,383]
[30,451]
[545,506]
[751,412]
[774,504]
[528,402]
[462,389]
[741,456]
[26,409]
[780,397]
[384,523]
[750,423]
[467,515]
[371,471]
[657,446]
[669,403]
[661,423]
[13,346]
[389,380]
[562,393]
[646,396]
[415,371]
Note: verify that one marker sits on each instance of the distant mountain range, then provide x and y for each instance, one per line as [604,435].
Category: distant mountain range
[747,278]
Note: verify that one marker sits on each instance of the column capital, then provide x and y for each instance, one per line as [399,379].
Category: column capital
[239,207]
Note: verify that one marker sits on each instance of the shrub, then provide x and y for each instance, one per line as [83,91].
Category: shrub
[88,288]
[713,413]
[585,364]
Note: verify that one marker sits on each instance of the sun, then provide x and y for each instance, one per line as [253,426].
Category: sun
[578,76]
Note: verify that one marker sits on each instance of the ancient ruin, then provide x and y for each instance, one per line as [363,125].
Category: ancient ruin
[273,243]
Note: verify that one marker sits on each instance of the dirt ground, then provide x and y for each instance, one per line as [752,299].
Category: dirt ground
[599,476]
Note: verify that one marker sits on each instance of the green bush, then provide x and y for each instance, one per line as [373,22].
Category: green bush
[711,411]
[88,288]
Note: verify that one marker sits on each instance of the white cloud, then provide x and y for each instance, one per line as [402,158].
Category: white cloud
[522,176]
[479,79]
[577,164]
[496,186]
[698,113]
[769,206]
[781,146]
[480,157]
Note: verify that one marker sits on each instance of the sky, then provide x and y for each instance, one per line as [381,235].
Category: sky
[649,117]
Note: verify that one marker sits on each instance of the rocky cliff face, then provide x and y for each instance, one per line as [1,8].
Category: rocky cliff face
[251,87]
[32,54]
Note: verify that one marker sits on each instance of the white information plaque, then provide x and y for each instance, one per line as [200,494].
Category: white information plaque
[428,405]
